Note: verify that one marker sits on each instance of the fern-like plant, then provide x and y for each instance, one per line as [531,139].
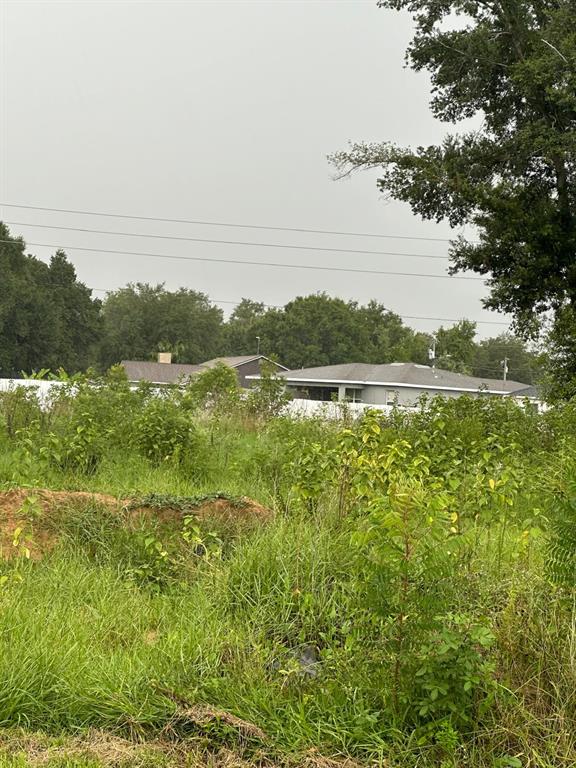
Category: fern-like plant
[561,549]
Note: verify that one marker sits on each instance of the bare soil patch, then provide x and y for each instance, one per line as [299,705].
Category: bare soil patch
[23,515]
[26,514]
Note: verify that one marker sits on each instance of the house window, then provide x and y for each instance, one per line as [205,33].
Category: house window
[324,394]
[392,397]
[353,395]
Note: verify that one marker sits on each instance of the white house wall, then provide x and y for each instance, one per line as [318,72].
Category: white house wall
[406,395]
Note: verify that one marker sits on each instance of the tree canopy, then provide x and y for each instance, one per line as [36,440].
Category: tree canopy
[512,64]
[521,363]
[456,347]
[242,329]
[141,320]
[48,319]
[321,330]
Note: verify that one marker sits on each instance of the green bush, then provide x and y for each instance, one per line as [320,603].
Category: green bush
[19,409]
[164,432]
[216,389]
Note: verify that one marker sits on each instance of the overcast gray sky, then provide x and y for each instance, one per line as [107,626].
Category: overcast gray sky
[224,112]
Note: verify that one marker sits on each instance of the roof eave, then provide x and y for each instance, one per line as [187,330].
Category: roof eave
[354,382]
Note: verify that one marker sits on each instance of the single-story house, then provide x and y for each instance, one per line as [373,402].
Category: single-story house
[532,394]
[245,366]
[389,384]
[164,371]
[529,391]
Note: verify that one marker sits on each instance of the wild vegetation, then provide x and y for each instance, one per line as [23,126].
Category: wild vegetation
[190,577]
[236,587]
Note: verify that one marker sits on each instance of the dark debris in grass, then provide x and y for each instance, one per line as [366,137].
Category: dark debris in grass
[185,503]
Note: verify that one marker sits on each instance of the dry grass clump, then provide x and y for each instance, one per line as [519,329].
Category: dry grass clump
[101,748]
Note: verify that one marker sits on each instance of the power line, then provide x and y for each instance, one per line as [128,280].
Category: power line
[236,302]
[453,319]
[230,242]
[404,317]
[205,223]
[281,306]
[252,263]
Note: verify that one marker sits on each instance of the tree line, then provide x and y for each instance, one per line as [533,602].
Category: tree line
[49,320]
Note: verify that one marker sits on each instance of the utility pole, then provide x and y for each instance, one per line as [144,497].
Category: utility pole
[258,347]
[504,364]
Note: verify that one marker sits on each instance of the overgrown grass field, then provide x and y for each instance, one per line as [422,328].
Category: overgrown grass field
[410,601]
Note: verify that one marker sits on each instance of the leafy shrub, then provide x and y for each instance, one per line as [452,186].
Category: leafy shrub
[409,546]
[19,408]
[268,397]
[77,448]
[85,418]
[76,439]
[313,468]
[163,432]
[453,673]
[216,389]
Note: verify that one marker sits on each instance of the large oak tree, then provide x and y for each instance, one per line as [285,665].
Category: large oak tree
[48,319]
[512,63]
[142,319]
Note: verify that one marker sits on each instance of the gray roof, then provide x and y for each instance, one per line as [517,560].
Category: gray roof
[171,373]
[526,391]
[158,373]
[234,362]
[398,374]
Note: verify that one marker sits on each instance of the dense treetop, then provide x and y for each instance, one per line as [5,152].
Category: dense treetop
[140,320]
[48,319]
[511,64]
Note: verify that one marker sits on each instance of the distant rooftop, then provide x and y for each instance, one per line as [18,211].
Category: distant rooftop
[527,391]
[159,373]
[234,362]
[389,374]
[172,373]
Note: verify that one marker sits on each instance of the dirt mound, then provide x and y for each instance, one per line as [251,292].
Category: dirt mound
[13,500]
[23,512]
[28,516]
[239,510]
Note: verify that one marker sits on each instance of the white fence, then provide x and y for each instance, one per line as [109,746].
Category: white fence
[309,408]
[43,388]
